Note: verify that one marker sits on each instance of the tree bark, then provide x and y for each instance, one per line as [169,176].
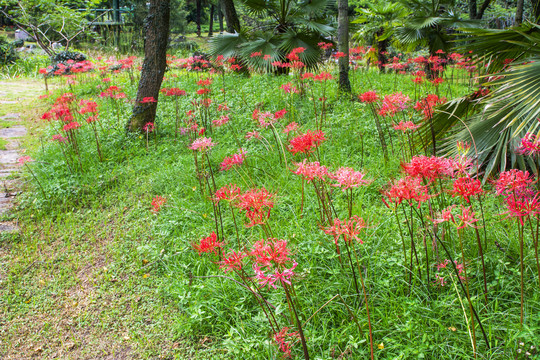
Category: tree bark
[220,15]
[382,49]
[535,10]
[483,8]
[211,25]
[519,12]
[231,18]
[343,45]
[472,9]
[198,16]
[155,62]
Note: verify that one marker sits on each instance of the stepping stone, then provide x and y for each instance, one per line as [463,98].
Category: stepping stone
[13,132]
[8,227]
[9,157]
[10,117]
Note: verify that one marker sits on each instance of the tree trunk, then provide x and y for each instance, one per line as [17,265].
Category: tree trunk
[472,9]
[535,10]
[233,24]
[211,25]
[198,16]
[483,8]
[382,49]
[220,15]
[519,12]
[155,62]
[343,45]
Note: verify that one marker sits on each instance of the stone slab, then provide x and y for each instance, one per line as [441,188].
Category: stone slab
[9,157]
[10,117]
[13,132]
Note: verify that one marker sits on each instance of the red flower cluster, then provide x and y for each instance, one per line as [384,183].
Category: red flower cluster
[307,142]
[208,245]
[157,203]
[257,204]
[230,161]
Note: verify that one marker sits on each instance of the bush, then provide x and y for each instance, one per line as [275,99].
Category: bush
[65,56]
[7,52]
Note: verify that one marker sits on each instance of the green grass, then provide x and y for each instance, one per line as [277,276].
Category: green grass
[100,274]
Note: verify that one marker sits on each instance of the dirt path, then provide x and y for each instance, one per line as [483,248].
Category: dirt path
[12,95]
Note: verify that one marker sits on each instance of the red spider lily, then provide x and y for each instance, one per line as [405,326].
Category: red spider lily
[394,103]
[204,82]
[323,76]
[349,228]
[253,135]
[221,121]
[267,278]
[257,204]
[267,57]
[369,97]
[266,119]
[59,138]
[233,160]
[174,92]
[157,203]
[311,170]
[288,88]
[148,100]
[427,104]
[522,206]
[223,107]
[208,244]
[445,216]
[418,80]
[338,55]
[466,187]
[24,160]
[270,252]
[71,126]
[88,107]
[148,127]
[255,54]
[232,261]
[467,217]
[513,181]
[406,126]
[407,188]
[236,67]
[281,340]
[92,119]
[202,144]
[292,127]
[347,178]
[228,193]
[203,91]
[306,143]
[530,145]
[429,168]
[307,75]
[325,46]
[437,81]
[279,114]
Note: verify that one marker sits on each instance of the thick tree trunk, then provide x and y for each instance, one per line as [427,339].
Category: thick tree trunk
[343,45]
[220,15]
[233,23]
[519,12]
[211,25]
[155,62]
[198,16]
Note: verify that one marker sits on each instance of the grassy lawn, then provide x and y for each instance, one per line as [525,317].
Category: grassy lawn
[95,273]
